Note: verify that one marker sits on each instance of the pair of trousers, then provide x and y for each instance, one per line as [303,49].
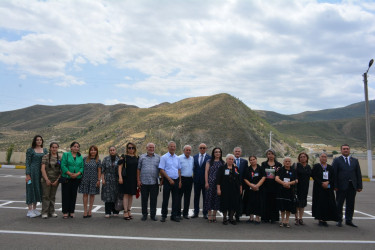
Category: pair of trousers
[198,189]
[151,191]
[185,191]
[167,190]
[348,196]
[69,195]
[110,208]
[49,197]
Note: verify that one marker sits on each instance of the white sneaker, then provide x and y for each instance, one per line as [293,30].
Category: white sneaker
[36,212]
[31,214]
[54,215]
[44,216]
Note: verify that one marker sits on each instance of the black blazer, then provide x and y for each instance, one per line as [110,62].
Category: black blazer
[244,164]
[199,171]
[343,173]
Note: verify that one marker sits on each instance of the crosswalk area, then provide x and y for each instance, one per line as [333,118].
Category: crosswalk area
[99,209]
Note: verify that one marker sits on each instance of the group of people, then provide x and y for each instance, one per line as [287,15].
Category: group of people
[234,187]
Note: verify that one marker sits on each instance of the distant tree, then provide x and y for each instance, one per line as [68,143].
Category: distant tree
[10,152]
[334,152]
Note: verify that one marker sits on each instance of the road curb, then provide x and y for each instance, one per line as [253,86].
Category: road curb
[13,166]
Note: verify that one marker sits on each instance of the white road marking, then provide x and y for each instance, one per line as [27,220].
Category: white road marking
[185,240]
[5,203]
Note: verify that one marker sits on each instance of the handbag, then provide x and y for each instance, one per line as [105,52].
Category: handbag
[119,205]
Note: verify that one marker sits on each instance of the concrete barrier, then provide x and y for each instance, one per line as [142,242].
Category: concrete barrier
[19,158]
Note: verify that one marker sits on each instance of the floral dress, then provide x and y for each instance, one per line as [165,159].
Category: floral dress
[212,199]
[33,166]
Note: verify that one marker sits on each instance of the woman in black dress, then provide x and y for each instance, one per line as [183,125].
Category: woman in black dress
[127,171]
[212,203]
[271,166]
[229,189]
[323,201]
[287,179]
[254,179]
[303,170]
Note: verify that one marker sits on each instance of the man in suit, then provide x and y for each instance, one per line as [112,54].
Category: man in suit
[242,164]
[198,178]
[347,182]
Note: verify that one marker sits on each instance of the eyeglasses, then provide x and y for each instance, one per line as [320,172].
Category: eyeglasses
[131,148]
[202,148]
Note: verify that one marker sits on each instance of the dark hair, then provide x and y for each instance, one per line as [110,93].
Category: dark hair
[344,145]
[252,156]
[272,151]
[58,163]
[33,144]
[213,156]
[96,156]
[74,143]
[135,148]
[303,153]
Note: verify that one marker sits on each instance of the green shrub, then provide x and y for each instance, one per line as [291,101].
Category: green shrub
[10,152]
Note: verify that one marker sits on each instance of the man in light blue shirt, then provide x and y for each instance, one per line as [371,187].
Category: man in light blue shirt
[187,165]
[170,169]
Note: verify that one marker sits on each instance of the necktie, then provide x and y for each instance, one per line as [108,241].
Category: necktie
[346,161]
[238,162]
[201,161]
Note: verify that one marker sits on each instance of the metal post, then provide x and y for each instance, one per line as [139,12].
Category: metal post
[270,139]
[369,149]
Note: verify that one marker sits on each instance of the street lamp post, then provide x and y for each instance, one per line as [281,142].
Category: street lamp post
[270,139]
[369,149]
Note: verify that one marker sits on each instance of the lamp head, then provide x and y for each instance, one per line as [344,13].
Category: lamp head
[370,63]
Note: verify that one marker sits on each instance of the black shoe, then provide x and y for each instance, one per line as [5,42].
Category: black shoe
[144,217]
[349,223]
[176,219]
[339,224]
[323,224]
[225,222]
[205,216]
[153,218]
[162,219]
[233,222]
[186,217]
[237,219]
[194,216]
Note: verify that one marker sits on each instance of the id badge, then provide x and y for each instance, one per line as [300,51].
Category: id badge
[226,171]
[256,174]
[325,175]
[286,179]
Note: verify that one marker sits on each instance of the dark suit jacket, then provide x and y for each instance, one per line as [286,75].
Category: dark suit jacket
[343,173]
[199,171]
[242,167]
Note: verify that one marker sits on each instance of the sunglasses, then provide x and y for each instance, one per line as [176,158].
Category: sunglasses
[131,148]
[202,148]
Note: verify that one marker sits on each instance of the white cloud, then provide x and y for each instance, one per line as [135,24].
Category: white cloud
[267,53]
[111,101]
[69,81]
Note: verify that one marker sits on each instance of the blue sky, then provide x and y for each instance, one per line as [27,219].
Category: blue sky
[286,56]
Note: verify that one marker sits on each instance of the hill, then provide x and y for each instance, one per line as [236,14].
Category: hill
[219,120]
[329,126]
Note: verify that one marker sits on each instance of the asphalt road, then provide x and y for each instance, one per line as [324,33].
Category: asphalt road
[19,232]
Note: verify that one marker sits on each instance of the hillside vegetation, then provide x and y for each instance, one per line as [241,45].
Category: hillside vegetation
[219,120]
